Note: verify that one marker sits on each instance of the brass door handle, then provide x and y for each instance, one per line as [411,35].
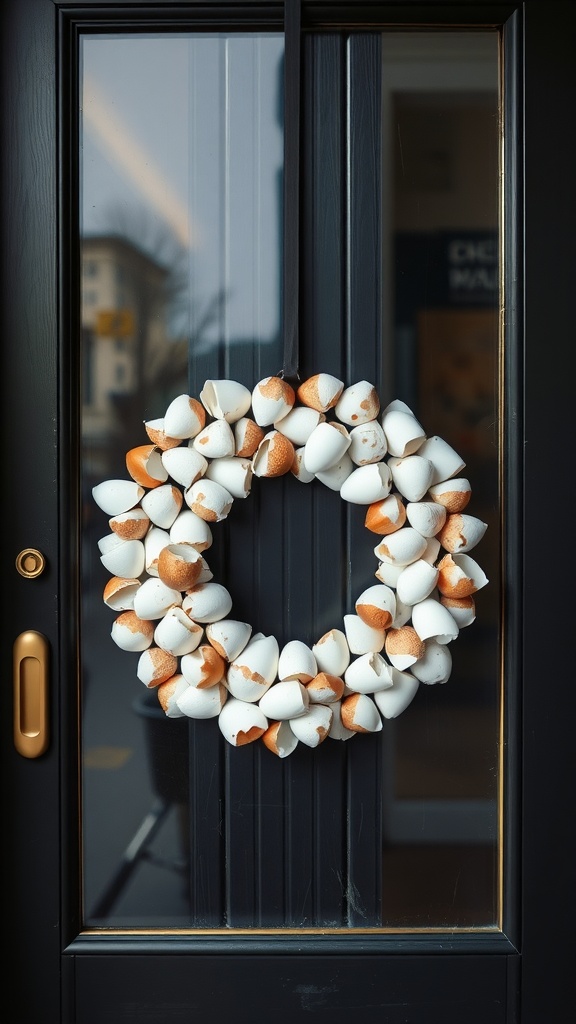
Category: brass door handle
[30,667]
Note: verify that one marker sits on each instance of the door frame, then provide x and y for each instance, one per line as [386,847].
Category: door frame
[76,974]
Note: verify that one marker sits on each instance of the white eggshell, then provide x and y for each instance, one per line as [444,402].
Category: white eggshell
[125,559]
[168,694]
[432,550]
[162,505]
[119,593]
[368,674]
[403,613]
[158,436]
[338,731]
[153,599]
[428,517]
[209,500]
[184,417]
[362,638]
[207,602]
[321,391]
[240,722]
[132,633]
[298,424]
[225,399]
[463,609]
[195,702]
[325,688]
[454,494]
[332,653]
[154,541]
[367,443]
[460,576]
[312,727]
[280,739]
[334,477]
[203,667]
[286,699]
[377,606]
[130,525]
[367,484]
[233,473]
[176,632]
[416,581]
[402,547]
[325,447]
[155,666]
[432,621]
[298,469]
[272,399]
[188,528]
[109,541]
[117,496]
[388,573]
[412,475]
[360,714]
[358,403]
[184,464]
[404,433]
[435,666]
[461,533]
[229,637]
[296,661]
[394,701]
[215,441]
[254,669]
[445,460]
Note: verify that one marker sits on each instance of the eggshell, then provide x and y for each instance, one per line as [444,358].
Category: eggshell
[195,702]
[386,515]
[119,593]
[177,633]
[298,469]
[154,541]
[388,573]
[376,606]
[367,484]
[254,670]
[360,714]
[272,398]
[298,424]
[445,460]
[215,441]
[296,661]
[226,399]
[394,701]
[361,637]
[454,494]
[203,667]
[109,542]
[404,434]
[404,647]
[338,730]
[179,566]
[312,727]
[412,475]
[434,622]
[368,674]
[131,525]
[184,464]
[158,436]
[228,636]
[233,473]
[286,699]
[460,576]
[153,599]
[462,609]
[461,533]
[367,443]
[332,653]
[428,517]
[125,559]
[402,547]
[416,581]
[188,528]
[145,466]
[241,723]
[274,455]
[320,392]
[325,447]
[207,602]
[132,633]
[117,496]
[436,664]
[209,500]
[162,505]
[280,739]
[168,694]
[184,417]
[325,688]
[155,666]
[247,437]
[358,403]
[334,477]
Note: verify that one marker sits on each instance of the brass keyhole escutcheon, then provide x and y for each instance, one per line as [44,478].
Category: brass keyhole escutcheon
[30,563]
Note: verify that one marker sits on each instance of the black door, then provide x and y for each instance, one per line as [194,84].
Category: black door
[381,193]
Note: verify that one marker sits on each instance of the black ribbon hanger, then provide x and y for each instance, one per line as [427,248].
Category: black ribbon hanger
[291,269]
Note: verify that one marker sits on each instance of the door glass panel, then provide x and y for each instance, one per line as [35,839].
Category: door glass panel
[181,265]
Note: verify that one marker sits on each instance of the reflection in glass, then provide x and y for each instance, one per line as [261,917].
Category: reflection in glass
[181,264]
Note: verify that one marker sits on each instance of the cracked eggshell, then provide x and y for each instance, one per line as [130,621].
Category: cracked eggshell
[125,559]
[446,462]
[338,730]
[154,541]
[332,653]
[461,533]
[162,505]
[184,464]
[376,606]
[394,701]
[412,475]
[158,436]
[334,477]
[454,494]
[367,484]
[274,455]
[110,541]
[434,622]
[358,403]
[201,704]
[360,714]
[254,670]
[215,441]
[272,398]
[460,576]
[241,723]
[432,550]
[462,609]
[388,573]
[131,633]
[154,598]
[168,694]
[404,433]
[298,469]
[285,700]
[207,602]
[233,473]
[280,739]
[177,633]
[298,424]
[226,399]
[131,525]
[312,727]
[403,614]
[229,637]
[145,465]
[247,437]
[436,664]
[179,566]
[155,666]
[401,548]
[386,515]
[362,638]
[297,662]
[320,392]
[428,517]
[188,528]
[325,688]
[368,674]
[367,443]
[119,593]
[416,581]
[184,417]
[326,445]
[209,500]
[203,667]
[404,647]
[117,496]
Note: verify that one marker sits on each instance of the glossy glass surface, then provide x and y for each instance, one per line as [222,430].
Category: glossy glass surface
[181,209]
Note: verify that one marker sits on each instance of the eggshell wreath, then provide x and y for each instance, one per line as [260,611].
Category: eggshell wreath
[200,458]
